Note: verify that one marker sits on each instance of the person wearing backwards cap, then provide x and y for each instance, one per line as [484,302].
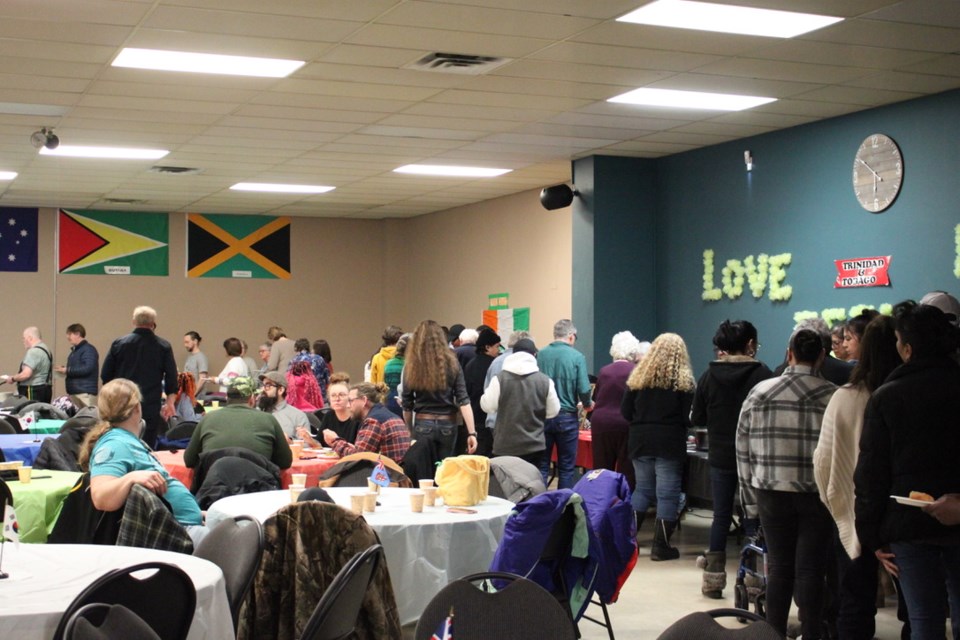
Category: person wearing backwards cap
[273,400]
[238,424]
[523,399]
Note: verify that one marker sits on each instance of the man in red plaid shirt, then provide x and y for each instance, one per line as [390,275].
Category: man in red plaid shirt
[381,431]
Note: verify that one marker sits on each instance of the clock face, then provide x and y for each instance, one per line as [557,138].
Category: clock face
[877,173]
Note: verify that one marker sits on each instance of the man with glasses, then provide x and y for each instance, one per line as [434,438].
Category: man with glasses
[381,431]
[273,400]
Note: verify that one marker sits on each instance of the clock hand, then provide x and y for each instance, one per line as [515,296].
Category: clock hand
[876,175]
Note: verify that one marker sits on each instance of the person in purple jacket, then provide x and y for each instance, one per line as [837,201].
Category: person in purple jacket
[608,428]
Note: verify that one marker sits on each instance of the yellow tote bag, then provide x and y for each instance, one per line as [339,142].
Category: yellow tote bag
[463,481]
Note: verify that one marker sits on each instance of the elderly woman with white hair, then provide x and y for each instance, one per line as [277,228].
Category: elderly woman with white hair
[608,428]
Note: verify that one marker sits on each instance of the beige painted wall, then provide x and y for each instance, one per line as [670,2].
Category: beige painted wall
[351,278]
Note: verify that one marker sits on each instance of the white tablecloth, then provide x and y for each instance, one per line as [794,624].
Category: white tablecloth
[45,579]
[424,551]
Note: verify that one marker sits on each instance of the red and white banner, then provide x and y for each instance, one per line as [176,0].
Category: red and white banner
[862,272]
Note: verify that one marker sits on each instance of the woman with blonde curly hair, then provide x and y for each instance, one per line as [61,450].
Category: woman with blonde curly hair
[434,391]
[657,406]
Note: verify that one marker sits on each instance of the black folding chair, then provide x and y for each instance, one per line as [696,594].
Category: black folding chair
[237,550]
[6,496]
[166,599]
[704,626]
[99,621]
[519,610]
[335,617]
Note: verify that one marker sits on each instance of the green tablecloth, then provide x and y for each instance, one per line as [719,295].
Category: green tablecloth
[38,503]
[47,426]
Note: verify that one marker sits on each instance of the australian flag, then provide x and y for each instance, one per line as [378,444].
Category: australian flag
[18,239]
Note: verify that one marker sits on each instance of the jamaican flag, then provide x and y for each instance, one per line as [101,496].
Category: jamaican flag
[224,246]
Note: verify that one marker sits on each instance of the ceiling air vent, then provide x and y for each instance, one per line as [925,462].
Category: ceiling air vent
[457,63]
[178,171]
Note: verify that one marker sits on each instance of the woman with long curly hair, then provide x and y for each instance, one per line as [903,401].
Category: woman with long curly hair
[186,401]
[657,406]
[434,391]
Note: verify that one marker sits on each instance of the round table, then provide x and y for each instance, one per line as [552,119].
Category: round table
[22,446]
[172,461]
[45,579]
[38,502]
[424,551]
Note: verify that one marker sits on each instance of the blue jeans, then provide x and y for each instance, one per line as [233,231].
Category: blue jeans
[724,483]
[442,432]
[929,574]
[562,431]
[658,479]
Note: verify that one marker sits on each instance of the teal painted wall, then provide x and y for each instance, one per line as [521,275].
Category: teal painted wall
[617,274]
[798,199]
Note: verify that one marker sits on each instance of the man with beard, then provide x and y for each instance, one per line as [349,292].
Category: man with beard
[273,401]
[239,425]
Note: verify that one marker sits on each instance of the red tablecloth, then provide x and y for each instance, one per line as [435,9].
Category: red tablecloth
[584,450]
[313,467]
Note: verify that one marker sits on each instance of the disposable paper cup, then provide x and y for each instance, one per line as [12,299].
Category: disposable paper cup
[299,478]
[215,404]
[356,502]
[373,487]
[370,502]
[25,476]
[416,501]
[426,483]
[429,496]
[295,491]
[296,448]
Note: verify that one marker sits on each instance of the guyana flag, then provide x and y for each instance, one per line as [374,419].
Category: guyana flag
[114,243]
[225,246]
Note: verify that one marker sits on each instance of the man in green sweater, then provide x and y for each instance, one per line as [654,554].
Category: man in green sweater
[238,424]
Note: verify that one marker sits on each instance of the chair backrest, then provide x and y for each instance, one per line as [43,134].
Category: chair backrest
[44,410]
[6,496]
[237,549]
[703,625]
[514,479]
[99,621]
[183,431]
[165,600]
[335,617]
[82,523]
[6,428]
[230,476]
[519,610]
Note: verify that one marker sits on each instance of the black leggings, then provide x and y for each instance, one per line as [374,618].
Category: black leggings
[799,533]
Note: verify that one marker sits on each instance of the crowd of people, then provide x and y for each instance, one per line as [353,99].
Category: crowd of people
[814,449]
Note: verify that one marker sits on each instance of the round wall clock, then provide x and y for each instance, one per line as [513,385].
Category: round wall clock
[877,173]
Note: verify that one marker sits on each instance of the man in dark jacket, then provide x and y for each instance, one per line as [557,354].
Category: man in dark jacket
[474,374]
[910,440]
[148,360]
[83,365]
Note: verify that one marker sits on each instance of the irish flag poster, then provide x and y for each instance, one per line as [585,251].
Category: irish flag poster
[227,246]
[114,243]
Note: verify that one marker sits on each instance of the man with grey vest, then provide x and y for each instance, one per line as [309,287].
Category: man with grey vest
[523,399]
[34,380]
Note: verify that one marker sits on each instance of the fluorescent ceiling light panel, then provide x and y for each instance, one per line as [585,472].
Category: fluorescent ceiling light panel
[111,153]
[690,99]
[26,109]
[451,170]
[8,175]
[160,60]
[280,188]
[725,18]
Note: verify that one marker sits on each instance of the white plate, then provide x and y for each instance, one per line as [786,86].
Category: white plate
[910,502]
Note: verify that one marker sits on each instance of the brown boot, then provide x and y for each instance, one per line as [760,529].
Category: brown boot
[713,564]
